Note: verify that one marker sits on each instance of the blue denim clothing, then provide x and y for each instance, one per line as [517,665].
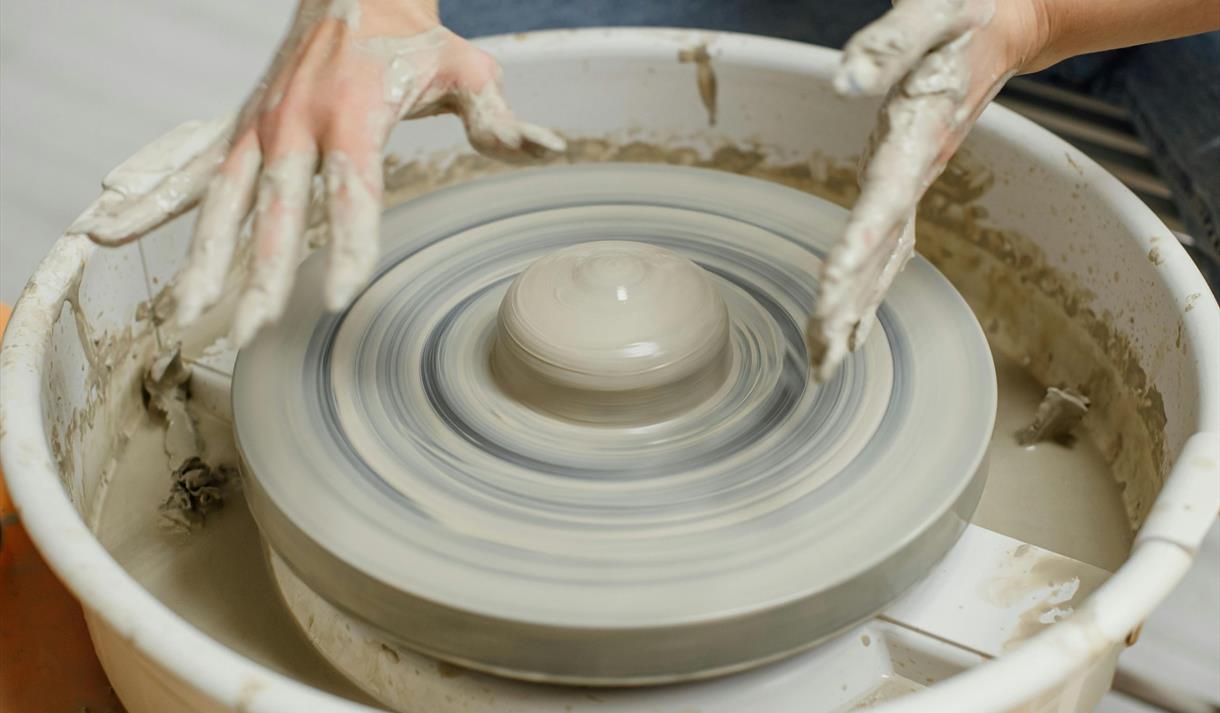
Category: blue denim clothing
[819,22]
[1172,89]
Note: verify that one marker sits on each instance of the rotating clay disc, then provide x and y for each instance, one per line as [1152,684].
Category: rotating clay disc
[435,462]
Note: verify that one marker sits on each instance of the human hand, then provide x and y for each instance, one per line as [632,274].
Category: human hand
[941,62]
[346,72]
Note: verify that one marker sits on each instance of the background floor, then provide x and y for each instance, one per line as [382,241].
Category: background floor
[83,85]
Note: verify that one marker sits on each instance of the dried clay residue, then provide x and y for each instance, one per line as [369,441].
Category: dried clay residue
[705,78]
[196,488]
[1048,587]
[1057,417]
[166,389]
[109,364]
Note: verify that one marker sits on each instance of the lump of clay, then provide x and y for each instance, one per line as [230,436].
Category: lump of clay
[1058,415]
[195,490]
[611,330]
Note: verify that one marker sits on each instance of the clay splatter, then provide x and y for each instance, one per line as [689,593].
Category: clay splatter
[1058,415]
[705,78]
[195,490]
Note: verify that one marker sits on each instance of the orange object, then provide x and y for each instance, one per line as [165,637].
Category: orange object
[47,664]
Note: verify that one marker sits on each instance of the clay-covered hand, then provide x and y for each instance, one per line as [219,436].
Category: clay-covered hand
[346,72]
[939,62]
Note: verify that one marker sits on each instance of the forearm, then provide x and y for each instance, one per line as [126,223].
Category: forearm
[1074,27]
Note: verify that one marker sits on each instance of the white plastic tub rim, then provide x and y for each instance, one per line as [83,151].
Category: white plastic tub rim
[212,677]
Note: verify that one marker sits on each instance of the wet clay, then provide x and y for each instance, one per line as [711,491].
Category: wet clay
[612,328]
[1057,416]
[195,490]
[705,78]
[165,390]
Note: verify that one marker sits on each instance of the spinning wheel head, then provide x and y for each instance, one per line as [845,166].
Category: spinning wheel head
[570,432]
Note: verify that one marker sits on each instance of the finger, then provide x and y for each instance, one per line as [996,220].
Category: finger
[872,298]
[906,146]
[834,315]
[160,181]
[927,84]
[913,138]
[893,181]
[353,195]
[539,141]
[876,57]
[494,131]
[922,122]
[279,219]
[918,129]
[224,209]
[827,343]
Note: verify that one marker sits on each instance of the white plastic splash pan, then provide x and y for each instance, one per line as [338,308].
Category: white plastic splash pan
[1062,263]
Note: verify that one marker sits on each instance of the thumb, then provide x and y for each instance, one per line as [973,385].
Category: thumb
[494,131]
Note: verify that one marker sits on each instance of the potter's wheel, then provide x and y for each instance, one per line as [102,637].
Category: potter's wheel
[728,514]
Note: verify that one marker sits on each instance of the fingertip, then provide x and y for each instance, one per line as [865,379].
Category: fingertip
[83,225]
[544,138]
[831,360]
[189,304]
[243,328]
[354,205]
[99,230]
[859,75]
[337,297]
[861,329]
[844,85]
[252,316]
[193,295]
[845,82]
[342,284]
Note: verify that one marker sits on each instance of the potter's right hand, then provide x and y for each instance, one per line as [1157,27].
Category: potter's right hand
[346,72]
[939,63]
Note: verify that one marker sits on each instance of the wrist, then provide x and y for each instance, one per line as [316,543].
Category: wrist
[1031,31]
[398,17]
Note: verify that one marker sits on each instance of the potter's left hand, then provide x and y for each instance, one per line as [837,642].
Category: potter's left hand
[347,71]
[940,61]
